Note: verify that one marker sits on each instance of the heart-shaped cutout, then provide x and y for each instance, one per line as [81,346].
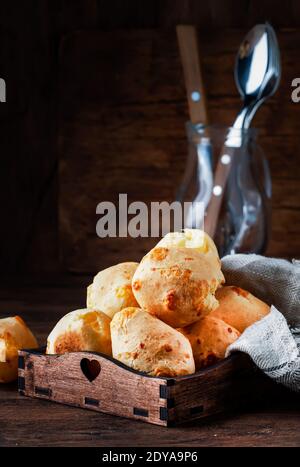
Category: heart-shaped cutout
[90,368]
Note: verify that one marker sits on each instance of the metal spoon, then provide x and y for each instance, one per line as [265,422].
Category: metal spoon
[257,75]
[255,91]
[257,71]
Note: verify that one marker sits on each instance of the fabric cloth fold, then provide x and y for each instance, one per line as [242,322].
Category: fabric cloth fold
[273,343]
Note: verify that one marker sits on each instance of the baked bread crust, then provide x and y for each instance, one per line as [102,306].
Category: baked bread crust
[177,284]
[209,339]
[239,308]
[14,335]
[146,344]
[111,289]
[87,330]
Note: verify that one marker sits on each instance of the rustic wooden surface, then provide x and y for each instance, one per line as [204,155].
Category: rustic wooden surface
[31,422]
[33,36]
[122,131]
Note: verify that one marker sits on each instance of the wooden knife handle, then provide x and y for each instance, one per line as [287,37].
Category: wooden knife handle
[189,53]
[220,180]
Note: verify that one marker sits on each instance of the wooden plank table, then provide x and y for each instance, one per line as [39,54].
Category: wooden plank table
[32,422]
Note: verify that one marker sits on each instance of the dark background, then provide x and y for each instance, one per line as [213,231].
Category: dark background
[96,105]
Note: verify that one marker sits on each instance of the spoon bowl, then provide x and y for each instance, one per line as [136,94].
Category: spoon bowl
[257,71]
[254,49]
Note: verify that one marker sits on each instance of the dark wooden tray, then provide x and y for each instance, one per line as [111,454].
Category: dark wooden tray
[97,382]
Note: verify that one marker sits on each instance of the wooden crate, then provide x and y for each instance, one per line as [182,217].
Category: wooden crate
[97,382]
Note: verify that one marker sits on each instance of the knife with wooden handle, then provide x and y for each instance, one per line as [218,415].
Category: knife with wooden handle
[189,53]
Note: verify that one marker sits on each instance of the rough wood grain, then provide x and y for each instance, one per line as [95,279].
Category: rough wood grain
[216,14]
[114,390]
[187,37]
[97,382]
[122,130]
[274,421]
[28,180]
[228,385]
[29,54]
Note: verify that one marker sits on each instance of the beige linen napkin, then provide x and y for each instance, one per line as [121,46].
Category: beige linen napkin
[273,343]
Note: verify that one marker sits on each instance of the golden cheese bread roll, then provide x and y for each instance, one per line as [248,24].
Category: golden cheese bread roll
[190,238]
[239,308]
[146,344]
[87,330]
[209,338]
[178,284]
[111,289]
[14,335]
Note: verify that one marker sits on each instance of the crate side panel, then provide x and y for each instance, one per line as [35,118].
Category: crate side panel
[114,390]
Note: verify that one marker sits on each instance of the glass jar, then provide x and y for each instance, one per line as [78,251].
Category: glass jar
[243,223]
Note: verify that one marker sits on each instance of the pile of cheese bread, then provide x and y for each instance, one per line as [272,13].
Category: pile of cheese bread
[169,315]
